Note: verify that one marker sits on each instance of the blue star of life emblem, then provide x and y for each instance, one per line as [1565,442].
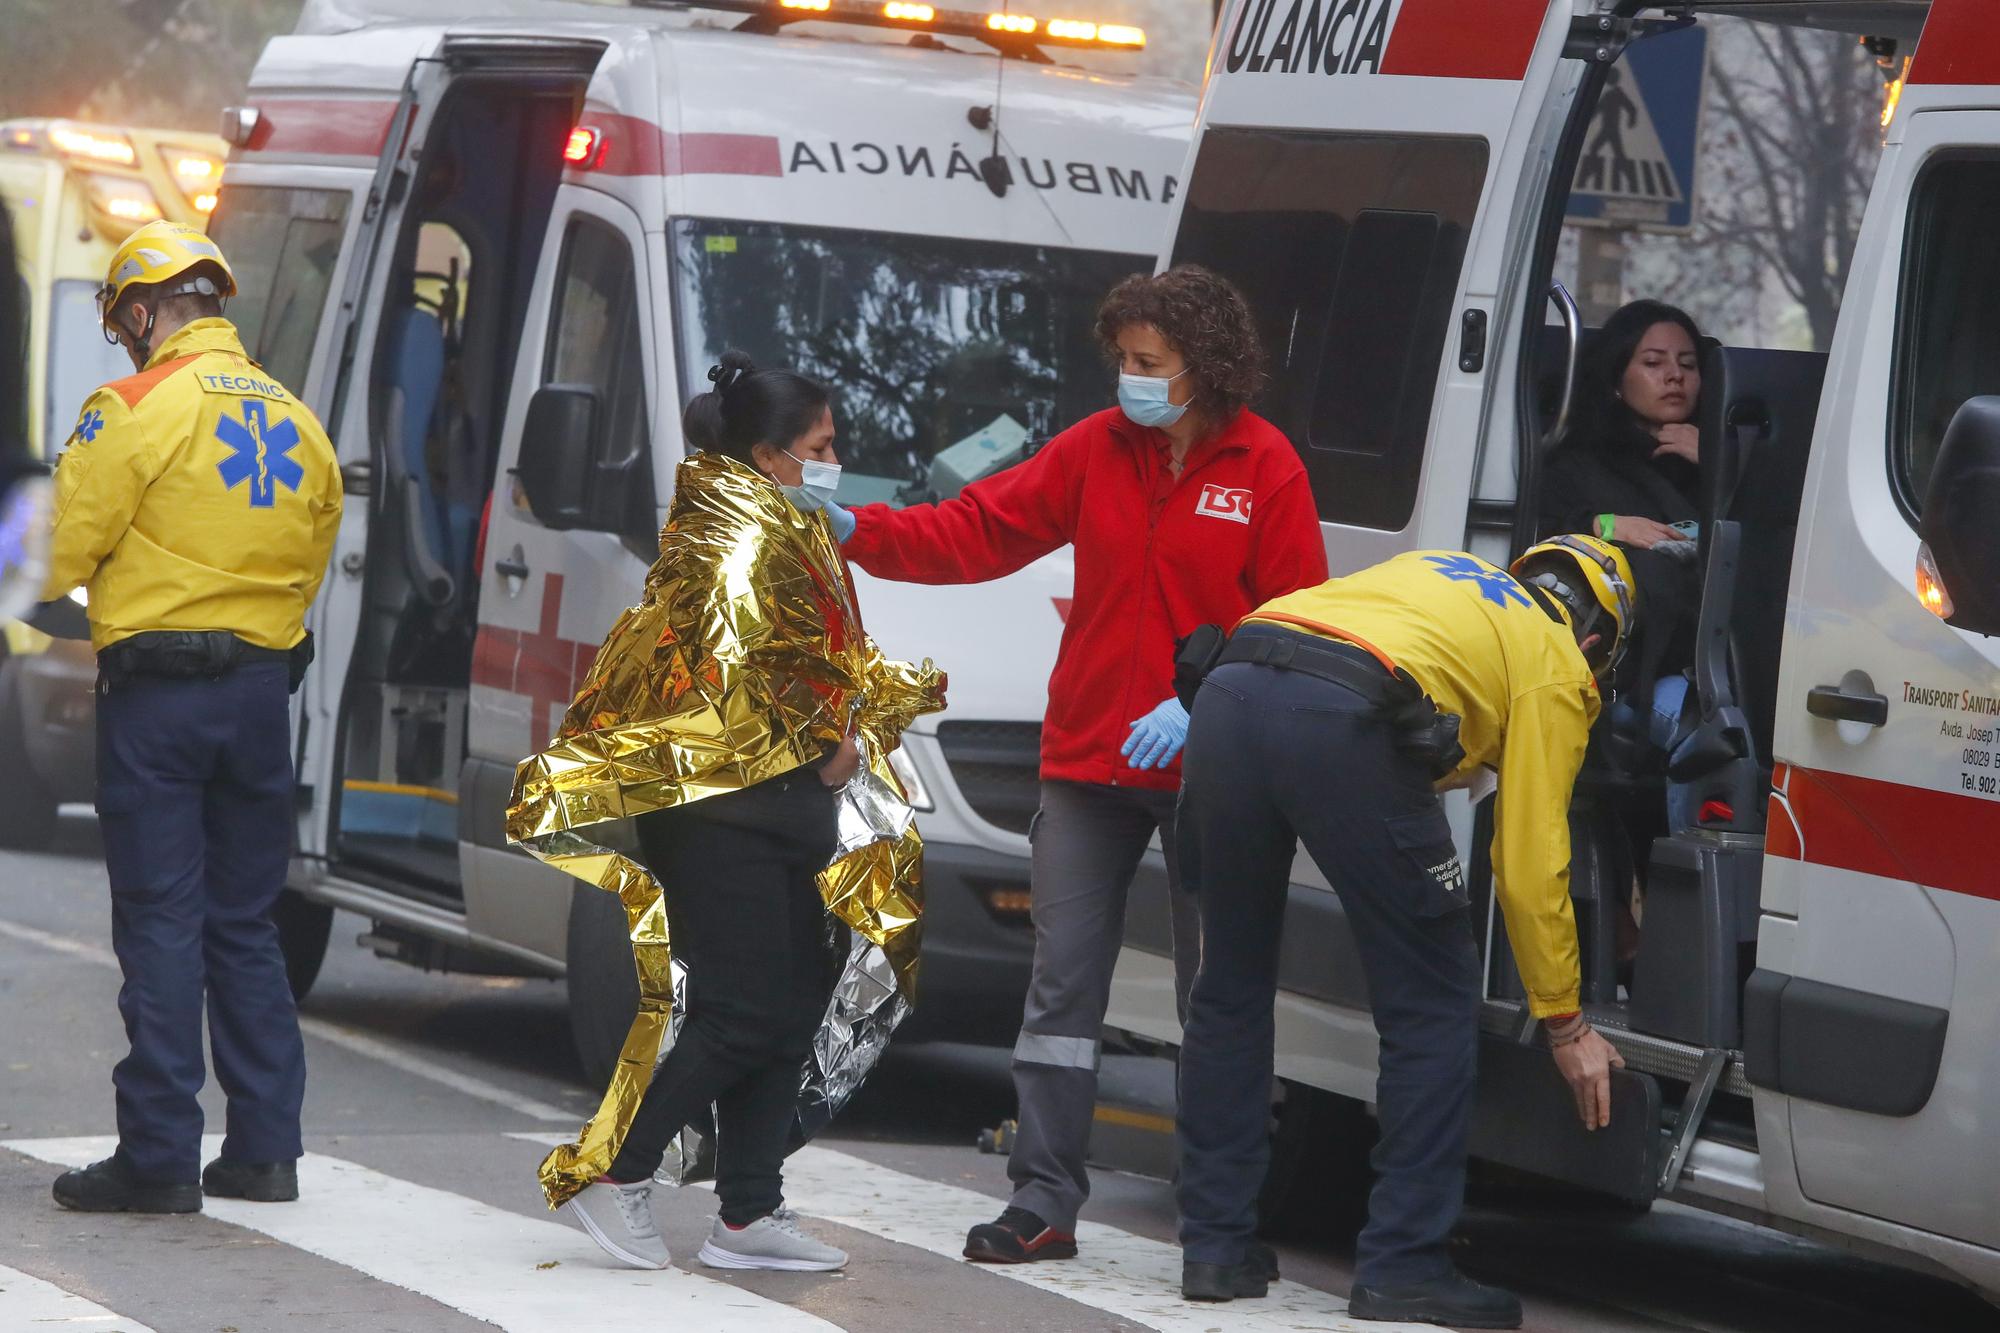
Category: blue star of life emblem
[1496,586]
[93,422]
[259,453]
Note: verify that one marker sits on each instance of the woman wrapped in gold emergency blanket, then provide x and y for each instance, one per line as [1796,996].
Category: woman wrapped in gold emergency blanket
[743,671]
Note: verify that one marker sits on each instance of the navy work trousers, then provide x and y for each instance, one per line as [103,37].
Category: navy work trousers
[1275,757]
[195,806]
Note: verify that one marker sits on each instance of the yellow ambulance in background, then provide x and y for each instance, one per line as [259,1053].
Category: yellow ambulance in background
[75,191]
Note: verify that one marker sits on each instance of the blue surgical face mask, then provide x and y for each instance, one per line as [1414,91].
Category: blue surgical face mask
[817,483]
[1144,400]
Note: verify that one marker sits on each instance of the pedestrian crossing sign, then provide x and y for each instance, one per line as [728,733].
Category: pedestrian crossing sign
[1637,168]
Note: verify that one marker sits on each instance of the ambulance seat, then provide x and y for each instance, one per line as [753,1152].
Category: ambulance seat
[414,374]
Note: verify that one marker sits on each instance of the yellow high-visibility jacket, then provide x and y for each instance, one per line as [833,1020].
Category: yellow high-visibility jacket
[1482,648]
[198,494]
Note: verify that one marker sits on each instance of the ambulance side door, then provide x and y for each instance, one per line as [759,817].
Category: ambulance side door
[554,576]
[1359,170]
[1872,1026]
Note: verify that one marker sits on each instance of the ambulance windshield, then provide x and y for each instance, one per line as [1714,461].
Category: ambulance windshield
[949,360]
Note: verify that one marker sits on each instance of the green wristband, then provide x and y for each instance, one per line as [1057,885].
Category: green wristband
[1604,526]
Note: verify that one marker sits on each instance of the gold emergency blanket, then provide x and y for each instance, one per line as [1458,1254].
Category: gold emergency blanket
[745,659]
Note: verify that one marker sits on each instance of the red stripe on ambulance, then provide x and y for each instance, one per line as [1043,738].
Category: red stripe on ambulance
[338,127]
[1464,39]
[1939,839]
[1961,44]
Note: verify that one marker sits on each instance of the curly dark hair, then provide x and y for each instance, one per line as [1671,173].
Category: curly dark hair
[1204,318]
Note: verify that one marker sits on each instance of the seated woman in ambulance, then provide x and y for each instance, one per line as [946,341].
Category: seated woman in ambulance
[1628,469]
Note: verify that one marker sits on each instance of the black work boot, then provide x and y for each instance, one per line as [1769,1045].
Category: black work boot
[110,1186]
[1263,1258]
[1454,1300]
[259,1182]
[1224,1282]
[1018,1237]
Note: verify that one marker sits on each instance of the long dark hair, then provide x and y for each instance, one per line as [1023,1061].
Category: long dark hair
[1599,418]
[749,406]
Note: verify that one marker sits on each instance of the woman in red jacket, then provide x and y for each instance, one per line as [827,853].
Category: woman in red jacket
[1185,509]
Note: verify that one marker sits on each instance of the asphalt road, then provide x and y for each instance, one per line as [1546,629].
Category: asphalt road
[432,1097]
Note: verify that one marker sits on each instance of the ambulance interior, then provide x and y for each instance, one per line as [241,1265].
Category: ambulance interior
[1697,890]
[459,276]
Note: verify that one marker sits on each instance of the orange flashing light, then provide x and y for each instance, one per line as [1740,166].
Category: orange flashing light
[1121,34]
[820,6]
[1930,584]
[585,147]
[903,12]
[97,145]
[1075,30]
[1022,24]
[205,203]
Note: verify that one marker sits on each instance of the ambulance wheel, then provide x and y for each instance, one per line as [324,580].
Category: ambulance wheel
[303,930]
[1317,1186]
[603,982]
[28,811]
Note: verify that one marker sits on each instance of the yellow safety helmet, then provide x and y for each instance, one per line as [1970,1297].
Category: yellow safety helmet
[155,255]
[1592,580]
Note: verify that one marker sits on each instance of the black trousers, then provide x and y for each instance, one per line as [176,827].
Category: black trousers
[744,913]
[1275,757]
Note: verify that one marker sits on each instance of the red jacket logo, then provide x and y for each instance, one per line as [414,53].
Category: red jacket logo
[1224,502]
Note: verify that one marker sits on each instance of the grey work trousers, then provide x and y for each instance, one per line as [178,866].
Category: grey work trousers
[1088,839]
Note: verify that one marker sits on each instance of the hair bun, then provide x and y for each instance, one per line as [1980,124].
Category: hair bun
[731,371]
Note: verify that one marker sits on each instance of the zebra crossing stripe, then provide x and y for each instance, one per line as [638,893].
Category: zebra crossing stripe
[27,1302]
[524,1274]
[1115,1271]
[1119,1273]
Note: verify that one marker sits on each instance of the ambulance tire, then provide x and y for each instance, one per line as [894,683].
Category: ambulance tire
[604,999]
[1317,1186]
[304,927]
[28,813]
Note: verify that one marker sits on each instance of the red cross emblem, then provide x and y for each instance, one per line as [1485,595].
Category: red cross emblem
[543,665]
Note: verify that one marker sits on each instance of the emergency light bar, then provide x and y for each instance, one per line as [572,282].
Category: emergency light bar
[1011,32]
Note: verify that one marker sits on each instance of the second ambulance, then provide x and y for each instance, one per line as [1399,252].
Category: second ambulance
[498,255]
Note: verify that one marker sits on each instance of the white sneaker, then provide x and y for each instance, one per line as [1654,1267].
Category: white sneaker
[773,1242]
[620,1219]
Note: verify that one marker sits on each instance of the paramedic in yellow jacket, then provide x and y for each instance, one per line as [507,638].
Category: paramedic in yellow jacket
[1314,727]
[196,502]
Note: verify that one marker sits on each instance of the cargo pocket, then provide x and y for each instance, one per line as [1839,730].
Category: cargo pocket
[1424,839]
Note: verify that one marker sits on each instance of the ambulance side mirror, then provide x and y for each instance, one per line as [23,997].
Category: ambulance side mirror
[1958,524]
[559,454]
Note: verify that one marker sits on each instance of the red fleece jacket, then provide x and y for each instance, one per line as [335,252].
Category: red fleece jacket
[1156,556]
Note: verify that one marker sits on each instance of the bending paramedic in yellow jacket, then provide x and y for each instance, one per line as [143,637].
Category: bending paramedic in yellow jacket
[1314,728]
[197,500]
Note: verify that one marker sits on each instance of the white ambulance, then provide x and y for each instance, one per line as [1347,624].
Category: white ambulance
[498,256]
[1812,1022]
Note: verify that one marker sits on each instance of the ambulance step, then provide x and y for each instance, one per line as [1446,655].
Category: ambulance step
[1659,1056]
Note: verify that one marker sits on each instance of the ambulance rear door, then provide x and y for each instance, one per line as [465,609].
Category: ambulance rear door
[1359,172]
[367,98]
[1872,1023]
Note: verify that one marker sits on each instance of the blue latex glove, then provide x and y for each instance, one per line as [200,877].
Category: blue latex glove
[843,522]
[1157,737]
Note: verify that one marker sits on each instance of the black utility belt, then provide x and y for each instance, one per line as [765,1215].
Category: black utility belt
[177,654]
[1423,731]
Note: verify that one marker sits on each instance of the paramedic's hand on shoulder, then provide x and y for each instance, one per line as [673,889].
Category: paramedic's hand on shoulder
[1157,737]
[1586,1060]
[842,520]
